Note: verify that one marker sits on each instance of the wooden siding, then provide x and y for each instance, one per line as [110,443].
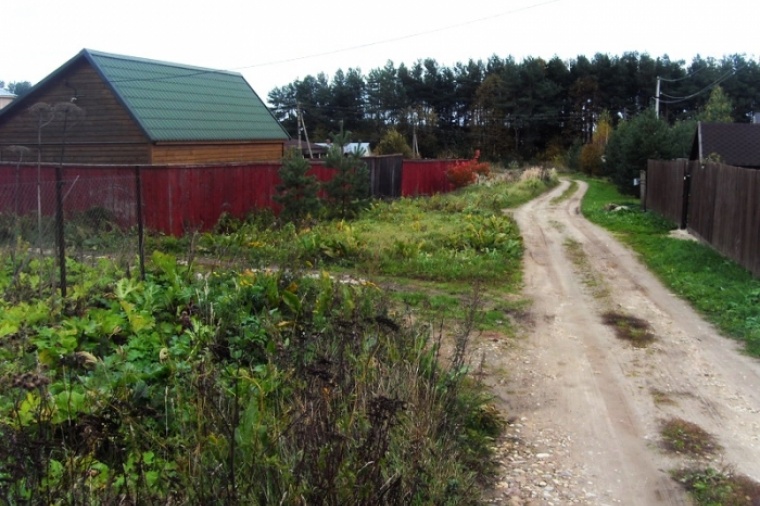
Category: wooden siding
[212,153]
[106,135]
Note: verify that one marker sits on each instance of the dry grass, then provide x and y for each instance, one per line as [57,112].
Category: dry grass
[538,173]
[662,398]
[629,328]
[710,487]
[595,283]
[681,436]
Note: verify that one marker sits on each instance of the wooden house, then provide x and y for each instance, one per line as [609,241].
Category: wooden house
[101,108]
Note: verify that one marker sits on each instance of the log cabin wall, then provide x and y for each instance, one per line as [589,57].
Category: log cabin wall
[221,152]
[107,134]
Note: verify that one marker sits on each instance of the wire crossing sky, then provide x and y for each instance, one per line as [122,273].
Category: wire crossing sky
[273,43]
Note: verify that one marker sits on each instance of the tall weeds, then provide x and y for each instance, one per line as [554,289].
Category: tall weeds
[240,388]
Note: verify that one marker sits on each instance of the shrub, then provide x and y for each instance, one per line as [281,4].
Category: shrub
[393,142]
[464,173]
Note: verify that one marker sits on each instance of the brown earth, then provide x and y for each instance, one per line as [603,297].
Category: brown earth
[585,407]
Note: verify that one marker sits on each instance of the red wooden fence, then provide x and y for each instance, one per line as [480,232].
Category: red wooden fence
[177,199]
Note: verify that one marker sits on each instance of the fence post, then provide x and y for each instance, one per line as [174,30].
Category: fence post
[140,228]
[643,185]
[59,228]
[686,190]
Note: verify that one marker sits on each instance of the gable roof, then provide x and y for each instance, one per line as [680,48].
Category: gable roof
[175,102]
[737,144]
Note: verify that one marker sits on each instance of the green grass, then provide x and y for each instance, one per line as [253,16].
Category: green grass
[629,328]
[710,487]
[247,368]
[724,292]
[569,192]
[681,436]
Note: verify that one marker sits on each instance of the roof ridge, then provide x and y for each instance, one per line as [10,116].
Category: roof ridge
[104,54]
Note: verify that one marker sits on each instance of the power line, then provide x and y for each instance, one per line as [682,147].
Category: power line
[676,100]
[352,48]
[403,37]
[682,78]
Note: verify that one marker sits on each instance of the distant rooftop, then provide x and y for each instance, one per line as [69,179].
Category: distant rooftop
[735,143]
[6,93]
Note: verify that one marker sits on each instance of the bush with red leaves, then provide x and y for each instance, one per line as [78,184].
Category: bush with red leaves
[466,172]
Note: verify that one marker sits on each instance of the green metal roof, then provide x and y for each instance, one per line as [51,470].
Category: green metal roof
[174,102]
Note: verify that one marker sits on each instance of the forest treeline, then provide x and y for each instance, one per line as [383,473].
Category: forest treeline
[531,110]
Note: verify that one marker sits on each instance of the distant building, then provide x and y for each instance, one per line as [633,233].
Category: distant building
[308,150]
[362,147]
[6,97]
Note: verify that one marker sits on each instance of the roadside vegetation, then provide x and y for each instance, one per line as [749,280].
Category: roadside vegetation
[725,293]
[265,363]
[684,437]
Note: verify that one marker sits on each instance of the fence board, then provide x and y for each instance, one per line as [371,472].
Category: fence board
[665,185]
[724,210]
[385,175]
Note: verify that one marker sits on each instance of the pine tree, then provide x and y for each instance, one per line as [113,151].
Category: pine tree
[348,190]
[297,191]
[718,108]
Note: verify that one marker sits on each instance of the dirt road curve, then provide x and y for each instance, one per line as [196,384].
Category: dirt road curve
[586,406]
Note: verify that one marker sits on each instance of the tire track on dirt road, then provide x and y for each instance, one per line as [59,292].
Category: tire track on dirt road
[572,377]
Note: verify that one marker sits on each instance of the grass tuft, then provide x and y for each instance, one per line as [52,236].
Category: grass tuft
[629,328]
[681,436]
[724,292]
[569,192]
[710,487]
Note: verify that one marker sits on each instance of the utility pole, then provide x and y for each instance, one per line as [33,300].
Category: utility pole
[301,124]
[415,146]
[298,124]
[657,99]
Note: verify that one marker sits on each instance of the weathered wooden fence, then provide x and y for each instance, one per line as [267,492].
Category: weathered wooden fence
[724,210]
[665,188]
[720,204]
[177,199]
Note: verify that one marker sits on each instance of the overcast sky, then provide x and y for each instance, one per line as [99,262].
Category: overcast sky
[274,43]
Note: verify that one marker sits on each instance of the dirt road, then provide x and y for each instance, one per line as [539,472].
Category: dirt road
[586,406]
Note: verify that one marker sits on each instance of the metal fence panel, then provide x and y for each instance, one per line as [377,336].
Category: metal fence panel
[87,215]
